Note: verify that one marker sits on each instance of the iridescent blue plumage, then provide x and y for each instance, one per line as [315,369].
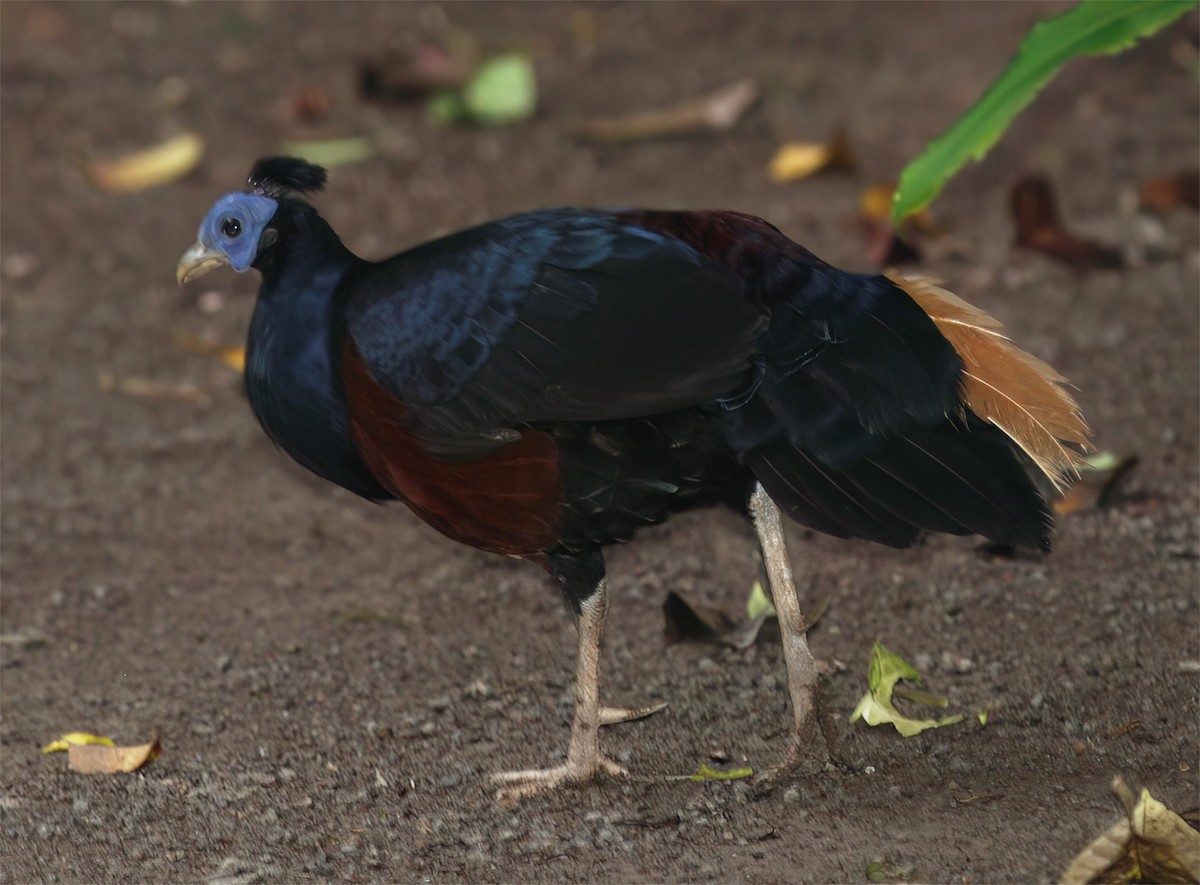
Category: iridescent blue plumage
[541,386]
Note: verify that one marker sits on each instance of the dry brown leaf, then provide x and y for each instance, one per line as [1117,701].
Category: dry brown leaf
[99,759]
[715,112]
[1039,227]
[412,78]
[1166,192]
[692,621]
[685,621]
[1098,476]
[885,246]
[797,160]
[1153,844]
[161,164]
[876,203]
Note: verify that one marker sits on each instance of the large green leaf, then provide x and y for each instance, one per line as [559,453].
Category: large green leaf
[1094,27]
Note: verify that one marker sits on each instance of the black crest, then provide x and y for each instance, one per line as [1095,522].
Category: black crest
[276,176]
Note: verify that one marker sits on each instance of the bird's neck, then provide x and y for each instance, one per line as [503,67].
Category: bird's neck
[307,259]
[291,379]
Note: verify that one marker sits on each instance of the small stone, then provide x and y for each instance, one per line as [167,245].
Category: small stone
[211,301]
[18,266]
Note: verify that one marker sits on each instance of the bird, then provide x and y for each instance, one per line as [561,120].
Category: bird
[543,385]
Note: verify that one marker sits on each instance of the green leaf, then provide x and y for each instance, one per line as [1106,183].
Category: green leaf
[758,604]
[888,668]
[707,773]
[876,707]
[446,106]
[1094,27]
[331,151]
[881,871]
[504,90]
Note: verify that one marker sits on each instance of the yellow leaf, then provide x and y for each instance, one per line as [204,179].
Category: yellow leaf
[76,739]
[797,160]
[876,707]
[234,357]
[758,603]
[1153,844]
[1098,475]
[160,164]
[93,759]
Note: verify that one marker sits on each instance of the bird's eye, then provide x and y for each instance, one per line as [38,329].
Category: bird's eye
[231,227]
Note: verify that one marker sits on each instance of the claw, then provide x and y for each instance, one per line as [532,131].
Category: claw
[614,715]
[520,785]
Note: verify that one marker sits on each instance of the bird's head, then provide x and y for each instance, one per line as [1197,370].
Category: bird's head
[238,226]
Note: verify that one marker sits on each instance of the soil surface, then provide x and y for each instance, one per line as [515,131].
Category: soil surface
[333,682]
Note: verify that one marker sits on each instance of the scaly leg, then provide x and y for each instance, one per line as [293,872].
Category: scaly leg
[584,759]
[803,751]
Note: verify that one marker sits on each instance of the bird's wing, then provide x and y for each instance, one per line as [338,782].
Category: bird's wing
[549,317]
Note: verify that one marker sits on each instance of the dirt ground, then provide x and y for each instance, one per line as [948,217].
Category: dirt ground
[333,681]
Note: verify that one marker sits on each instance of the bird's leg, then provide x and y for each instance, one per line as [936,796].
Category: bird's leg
[807,747]
[584,759]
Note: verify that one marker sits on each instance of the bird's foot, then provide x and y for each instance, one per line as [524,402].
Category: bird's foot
[614,715]
[804,758]
[518,785]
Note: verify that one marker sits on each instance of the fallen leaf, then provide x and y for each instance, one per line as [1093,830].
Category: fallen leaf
[706,773]
[332,151]
[881,871]
[758,605]
[1166,192]
[502,91]
[690,622]
[76,738]
[1039,227]
[309,103]
[685,621]
[1153,844]
[715,112]
[404,80]
[885,246]
[164,163]
[103,759]
[1098,476]
[876,200]
[151,389]
[921,697]
[876,706]
[798,160]
[361,614]
[30,637]
[233,357]
[499,92]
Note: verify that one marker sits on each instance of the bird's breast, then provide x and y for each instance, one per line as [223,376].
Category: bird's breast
[296,397]
[507,501]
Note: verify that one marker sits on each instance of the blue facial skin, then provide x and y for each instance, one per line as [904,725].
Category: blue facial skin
[234,225]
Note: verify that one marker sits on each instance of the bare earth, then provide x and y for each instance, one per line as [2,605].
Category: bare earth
[333,682]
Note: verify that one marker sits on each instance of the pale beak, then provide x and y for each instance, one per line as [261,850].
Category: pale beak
[197,261]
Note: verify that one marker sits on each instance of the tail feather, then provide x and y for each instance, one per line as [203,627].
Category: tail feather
[889,407]
[951,479]
[1006,386]
[826,499]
